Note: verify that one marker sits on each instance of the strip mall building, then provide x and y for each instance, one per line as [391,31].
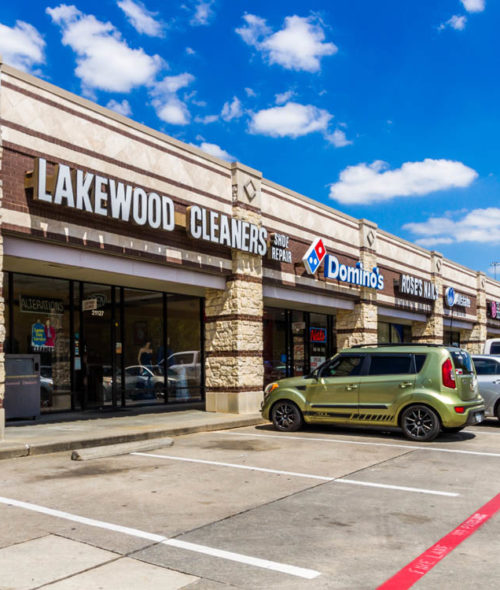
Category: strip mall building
[127,255]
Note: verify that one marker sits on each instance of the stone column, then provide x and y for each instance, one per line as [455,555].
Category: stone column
[478,334]
[359,326]
[234,334]
[431,331]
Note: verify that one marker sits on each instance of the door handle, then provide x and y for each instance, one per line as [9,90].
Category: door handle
[405,384]
[351,387]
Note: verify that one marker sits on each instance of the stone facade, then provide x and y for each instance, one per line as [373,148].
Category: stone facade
[42,121]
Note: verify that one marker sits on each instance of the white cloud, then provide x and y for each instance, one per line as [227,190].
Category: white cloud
[190,51]
[290,120]
[455,22]
[214,150]
[232,110]
[122,108]
[284,96]
[21,46]
[141,18]
[104,60]
[299,45]
[474,5]
[366,184]
[204,13]
[338,138]
[169,107]
[479,225]
[207,119]
[250,92]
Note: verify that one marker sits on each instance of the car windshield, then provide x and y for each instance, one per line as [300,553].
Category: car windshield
[463,362]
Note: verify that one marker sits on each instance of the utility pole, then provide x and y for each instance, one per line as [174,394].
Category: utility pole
[494,265]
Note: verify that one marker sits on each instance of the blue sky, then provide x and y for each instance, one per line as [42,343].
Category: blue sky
[385,110]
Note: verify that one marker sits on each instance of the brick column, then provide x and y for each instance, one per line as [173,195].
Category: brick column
[431,331]
[478,334]
[359,326]
[234,334]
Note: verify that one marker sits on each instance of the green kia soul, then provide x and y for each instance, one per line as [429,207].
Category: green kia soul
[422,389]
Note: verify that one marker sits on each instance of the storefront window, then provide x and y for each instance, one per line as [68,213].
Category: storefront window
[183,352]
[318,339]
[143,347]
[451,338]
[295,342]
[275,345]
[101,345]
[41,325]
[393,333]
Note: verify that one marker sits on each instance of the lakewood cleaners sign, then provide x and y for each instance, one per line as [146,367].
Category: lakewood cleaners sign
[355,275]
[103,196]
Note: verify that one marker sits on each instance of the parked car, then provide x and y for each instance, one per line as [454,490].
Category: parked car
[142,382]
[422,389]
[488,376]
[186,367]
[46,386]
[492,346]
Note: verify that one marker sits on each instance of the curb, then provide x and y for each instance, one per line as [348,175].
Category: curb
[28,450]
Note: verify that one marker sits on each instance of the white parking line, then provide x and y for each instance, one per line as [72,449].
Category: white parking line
[357,442]
[305,475]
[220,553]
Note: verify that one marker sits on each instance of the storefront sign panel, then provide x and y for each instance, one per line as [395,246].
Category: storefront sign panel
[355,275]
[278,248]
[44,305]
[219,228]
[101,195]
[410,285]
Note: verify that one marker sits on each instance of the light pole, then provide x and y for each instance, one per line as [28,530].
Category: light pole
[494,265]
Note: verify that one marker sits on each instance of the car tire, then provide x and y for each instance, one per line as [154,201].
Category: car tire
[159,390]
[497,410]
[420,423]
[286,416]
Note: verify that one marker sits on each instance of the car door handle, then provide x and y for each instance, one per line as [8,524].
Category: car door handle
[351,387]
[405,384]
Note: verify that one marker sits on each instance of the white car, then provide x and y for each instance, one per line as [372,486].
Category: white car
[142,382]
[488,376]
[186,367]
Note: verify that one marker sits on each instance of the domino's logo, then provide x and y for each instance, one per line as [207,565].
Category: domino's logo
[314,256]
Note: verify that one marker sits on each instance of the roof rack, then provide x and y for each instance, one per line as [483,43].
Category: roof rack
[393,344]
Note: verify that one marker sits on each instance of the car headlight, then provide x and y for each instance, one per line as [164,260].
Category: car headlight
[270,388]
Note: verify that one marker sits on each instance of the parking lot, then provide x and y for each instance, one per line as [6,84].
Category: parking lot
[254,508]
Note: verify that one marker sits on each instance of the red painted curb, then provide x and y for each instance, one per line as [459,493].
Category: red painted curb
[416,569]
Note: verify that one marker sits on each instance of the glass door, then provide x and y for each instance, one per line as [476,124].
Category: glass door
[95,365]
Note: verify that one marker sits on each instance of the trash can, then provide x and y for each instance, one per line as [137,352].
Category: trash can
[22,386]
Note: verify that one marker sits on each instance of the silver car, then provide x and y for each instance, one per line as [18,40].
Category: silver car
[488,376]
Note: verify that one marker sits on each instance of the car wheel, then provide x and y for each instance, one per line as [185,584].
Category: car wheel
[286,416]
[159,390]
[497,410]
[420,423]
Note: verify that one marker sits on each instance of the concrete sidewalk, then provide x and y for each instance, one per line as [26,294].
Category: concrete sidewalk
[22,440]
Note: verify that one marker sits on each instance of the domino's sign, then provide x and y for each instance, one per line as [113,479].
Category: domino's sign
[355,275]
[314,256]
